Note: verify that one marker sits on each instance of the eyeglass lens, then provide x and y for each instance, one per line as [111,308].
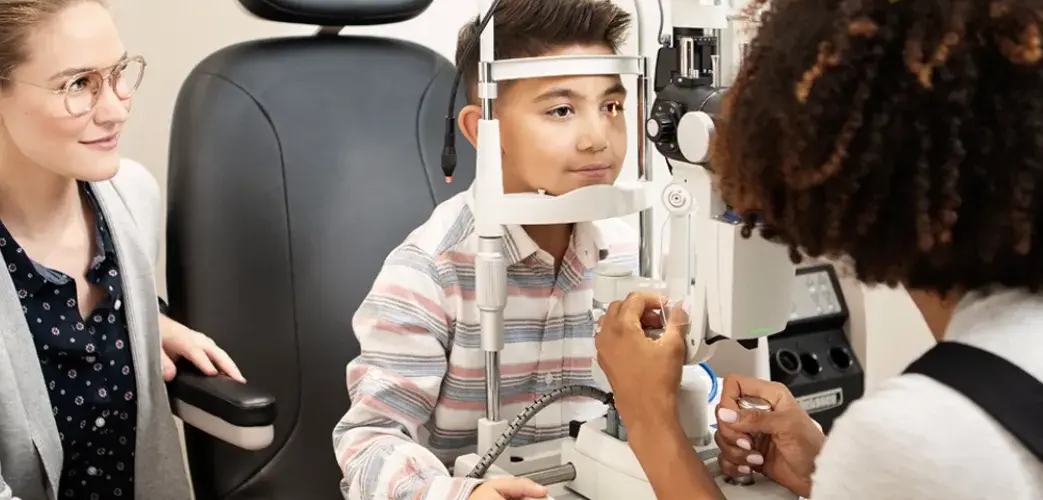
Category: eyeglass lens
[82,91]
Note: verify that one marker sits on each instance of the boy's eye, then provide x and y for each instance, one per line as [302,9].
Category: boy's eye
[560,112]
[614,108]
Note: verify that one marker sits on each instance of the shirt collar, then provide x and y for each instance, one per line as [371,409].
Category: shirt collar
[985,310]
[106,248]
[15,256]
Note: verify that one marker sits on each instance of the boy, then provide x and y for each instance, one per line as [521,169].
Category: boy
[417,389]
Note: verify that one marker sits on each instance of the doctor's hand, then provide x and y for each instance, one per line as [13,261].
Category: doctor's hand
[790,439]
[179,341]
[644,373]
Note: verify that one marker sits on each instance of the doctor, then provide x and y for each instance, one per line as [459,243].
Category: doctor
[904,137]
[84,351]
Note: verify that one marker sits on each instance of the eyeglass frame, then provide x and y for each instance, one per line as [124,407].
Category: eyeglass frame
[104,73]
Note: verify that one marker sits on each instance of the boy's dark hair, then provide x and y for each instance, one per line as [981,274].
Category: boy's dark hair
[531,28]
[903,135]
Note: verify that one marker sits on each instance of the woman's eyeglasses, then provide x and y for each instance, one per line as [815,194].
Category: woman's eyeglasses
[82,90]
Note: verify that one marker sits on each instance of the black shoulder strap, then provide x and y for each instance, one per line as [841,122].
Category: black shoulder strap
[1010,395]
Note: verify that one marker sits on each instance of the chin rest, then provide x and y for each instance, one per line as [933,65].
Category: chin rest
[233,412]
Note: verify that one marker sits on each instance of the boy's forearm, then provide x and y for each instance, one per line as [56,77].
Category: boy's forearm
[671,465]
[380,460]
[387,467]
[375,440]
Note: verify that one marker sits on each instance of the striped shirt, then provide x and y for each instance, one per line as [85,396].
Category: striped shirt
[418,388]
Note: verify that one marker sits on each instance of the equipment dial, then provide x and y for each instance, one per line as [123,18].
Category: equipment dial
[661,128]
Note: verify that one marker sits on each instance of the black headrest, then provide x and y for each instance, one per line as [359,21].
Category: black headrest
[337,12]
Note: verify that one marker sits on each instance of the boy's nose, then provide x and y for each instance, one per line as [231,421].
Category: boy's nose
[595,138]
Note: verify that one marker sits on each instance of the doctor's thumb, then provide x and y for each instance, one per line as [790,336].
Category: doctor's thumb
[676,331]
[677,319]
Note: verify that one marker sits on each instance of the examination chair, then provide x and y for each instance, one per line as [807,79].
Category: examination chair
[297,164]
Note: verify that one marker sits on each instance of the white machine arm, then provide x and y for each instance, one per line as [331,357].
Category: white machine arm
[736,289]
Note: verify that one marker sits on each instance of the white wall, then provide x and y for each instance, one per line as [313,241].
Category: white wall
[175,36]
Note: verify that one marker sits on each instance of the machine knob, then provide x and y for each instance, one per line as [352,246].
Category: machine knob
[661,129]
[696,131]
[752,403]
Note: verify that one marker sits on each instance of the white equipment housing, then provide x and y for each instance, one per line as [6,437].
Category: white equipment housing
[737,289]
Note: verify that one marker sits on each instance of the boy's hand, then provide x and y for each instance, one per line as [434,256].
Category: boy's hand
[508,488]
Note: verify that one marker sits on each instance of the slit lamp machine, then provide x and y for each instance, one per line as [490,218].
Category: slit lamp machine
[738,290]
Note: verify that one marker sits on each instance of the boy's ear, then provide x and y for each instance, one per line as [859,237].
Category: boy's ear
[467,120]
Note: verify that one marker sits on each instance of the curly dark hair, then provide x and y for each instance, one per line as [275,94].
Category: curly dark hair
[905,136]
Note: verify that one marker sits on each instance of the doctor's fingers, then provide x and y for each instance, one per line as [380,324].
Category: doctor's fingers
[735,386]
[730,469]
[732,437]
[635,306]
[734,454]
[650,318]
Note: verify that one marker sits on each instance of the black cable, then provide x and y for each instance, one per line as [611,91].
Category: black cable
[662,22]
[449,148]
[530,411]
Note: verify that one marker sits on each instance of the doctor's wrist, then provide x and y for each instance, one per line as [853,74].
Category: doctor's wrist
[649,411]
[653,429]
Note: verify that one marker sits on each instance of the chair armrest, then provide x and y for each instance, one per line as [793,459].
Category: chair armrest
[239,414]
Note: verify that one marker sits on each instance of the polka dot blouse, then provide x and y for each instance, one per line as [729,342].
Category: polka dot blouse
[87,367]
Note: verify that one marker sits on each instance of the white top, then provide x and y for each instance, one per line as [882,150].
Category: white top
[917,439]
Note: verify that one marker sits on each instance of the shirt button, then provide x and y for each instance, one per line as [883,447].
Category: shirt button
[92,471]
[548,378]
[99,422]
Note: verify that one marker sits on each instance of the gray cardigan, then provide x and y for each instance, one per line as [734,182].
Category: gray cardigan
[30,451]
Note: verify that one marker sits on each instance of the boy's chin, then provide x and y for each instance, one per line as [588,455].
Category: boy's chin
[604,182]
[591,181]
[572,186]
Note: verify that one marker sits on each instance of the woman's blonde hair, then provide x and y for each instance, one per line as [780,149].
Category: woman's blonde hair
[17,20]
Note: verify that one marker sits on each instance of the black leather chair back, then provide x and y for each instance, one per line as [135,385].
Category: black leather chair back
[296,165]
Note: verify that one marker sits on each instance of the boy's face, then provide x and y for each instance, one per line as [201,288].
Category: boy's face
[560,134]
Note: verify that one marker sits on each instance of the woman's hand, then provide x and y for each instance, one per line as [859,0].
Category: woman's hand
[644,373]
[790,439]
[179,341]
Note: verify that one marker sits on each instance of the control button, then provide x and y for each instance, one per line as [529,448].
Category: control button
[99,422]
[652,128]
[661,128]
